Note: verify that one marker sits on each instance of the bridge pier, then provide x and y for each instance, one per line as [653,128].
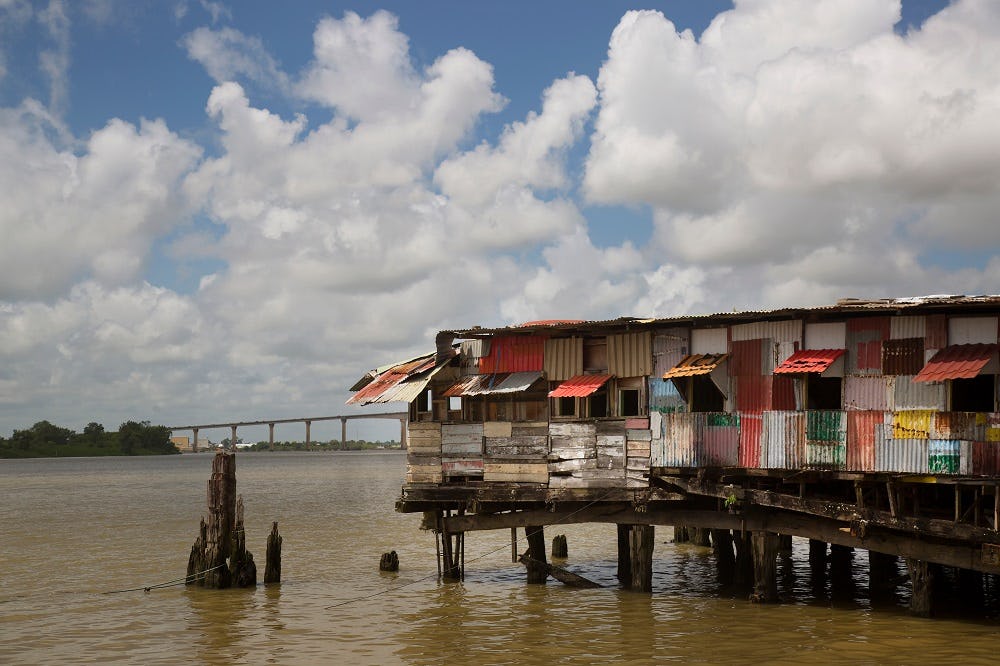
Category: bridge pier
[270,436]
[232,440]
[308,429]
[343,434]
[194,445]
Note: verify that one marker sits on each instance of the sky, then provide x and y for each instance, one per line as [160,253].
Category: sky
[220,211]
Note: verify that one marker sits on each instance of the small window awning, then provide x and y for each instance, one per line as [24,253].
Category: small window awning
[579,386]
[809,360]
[956,362]
[695,364]
[501,382]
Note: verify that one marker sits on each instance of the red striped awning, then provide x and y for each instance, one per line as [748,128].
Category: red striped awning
[956,362]
[579,387]
[809,360]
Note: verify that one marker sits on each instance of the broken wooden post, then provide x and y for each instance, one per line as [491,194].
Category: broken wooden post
[765,567]
[219,558]
[641,539]
[272,567]
[562,575]
[389,562]
[921,582]
[560,549]
[535,556]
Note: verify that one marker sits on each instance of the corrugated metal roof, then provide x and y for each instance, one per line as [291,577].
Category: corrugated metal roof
[504,382]
[956,362]
[695,364]
[809,360]
[579,387]
[388,380]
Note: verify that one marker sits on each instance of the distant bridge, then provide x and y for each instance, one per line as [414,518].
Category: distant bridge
[270,423]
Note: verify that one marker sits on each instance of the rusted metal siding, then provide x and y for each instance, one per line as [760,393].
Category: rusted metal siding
[986,458]
[720,441]
[993,427]
[949,456]
[936,332]
[912,424]
[669,347]
[899,455]
[908,394]
[515,353]
[751,427]
[959,425]
[826,439]
[664,397]
[869,393]
[677,448]
[783,440]
[972,330]
[864,344]
[630,354]
[701,439]
[563,358]
[903,356]
[861,427]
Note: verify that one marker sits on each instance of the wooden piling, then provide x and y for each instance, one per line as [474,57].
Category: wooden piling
[881,573]
[765,567]
[389,562]
[272,566]
[817,553]
[725,558]
[921,584]
[624,573]
[560,549]
[641,541]
[535,556]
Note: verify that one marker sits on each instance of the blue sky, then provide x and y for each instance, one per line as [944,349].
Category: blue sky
[231,211]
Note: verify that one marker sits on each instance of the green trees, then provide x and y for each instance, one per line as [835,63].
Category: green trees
[44,440]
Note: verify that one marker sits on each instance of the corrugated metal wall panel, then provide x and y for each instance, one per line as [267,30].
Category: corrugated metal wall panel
[709,341]
[901,328]
[912,424]
[936,332]
[944,456]
[902,357]
[750,357]
[664,397]
[630,354]
[751,426]
[864,344]
[908,394]
[669,347]
[563,358]
[861,439]
[789,330]
[899,455]
[515,353]
[782,393]
[826,439]
[869,393]
[720,441]
[783,439]
[986,458]
[959,425]
[753,393]
[993,427]
[677,449]
[972,330]
[826,336]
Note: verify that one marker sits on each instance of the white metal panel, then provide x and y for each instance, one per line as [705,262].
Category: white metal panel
[826,336]
[780,331]
[902,328]
[710,341]
[972,330]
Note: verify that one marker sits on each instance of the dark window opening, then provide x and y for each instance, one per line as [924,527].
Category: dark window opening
[598,404]
[823,392]
[973,395]
[629,405]
[565,406]
[705,396]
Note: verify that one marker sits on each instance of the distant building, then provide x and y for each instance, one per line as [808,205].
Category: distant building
[183,444]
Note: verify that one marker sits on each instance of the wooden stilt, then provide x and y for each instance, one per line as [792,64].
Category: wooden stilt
[921,582]
[535,557]
[785,542]
[817,552]
[765,567]
[625,555]
[743,577]
[725,558]
[881,573]
[699,536]
[272,564]
[641,540]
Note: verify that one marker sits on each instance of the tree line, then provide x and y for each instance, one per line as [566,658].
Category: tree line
[46,440]
[332,445]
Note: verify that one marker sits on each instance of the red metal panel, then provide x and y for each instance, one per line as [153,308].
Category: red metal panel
[936,332]
[809,360]
[986,458]
[956,362]
[514,353]
[861,439]
[782,393]
[745,358]
[902,357]
[580,386]
[881,325]
[750,430]
[753,394]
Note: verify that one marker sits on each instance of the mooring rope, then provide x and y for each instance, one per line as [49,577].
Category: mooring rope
[170,583]
[479,557]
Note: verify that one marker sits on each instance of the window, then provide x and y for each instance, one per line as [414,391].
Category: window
[563,407]
[628,404]
[597,403]
[631,396]
[703,395]
[823,392]
[973,395]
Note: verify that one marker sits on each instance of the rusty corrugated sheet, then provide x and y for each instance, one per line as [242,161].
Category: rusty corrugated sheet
[677,447]
[514,353]
[563,358]
[389,379]
[908,394]
[869,393]
[783,438]
[579,387]
[751,357]
[664,397]
[959,425]
[861,439]
[751,427]
[695,364]
[720,440]
[630,354]
[758,394]
[944,456]
[936,331]
[957,362]
[903,356]
[912,424]
[809,360]
[993,427]
[669,347]
[986,458]
[864,344]
[826,439]
[503,382]
[899,455]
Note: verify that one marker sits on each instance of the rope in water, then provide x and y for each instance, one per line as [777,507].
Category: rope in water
[170,583]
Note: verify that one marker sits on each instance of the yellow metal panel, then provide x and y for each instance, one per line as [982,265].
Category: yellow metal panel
[563,358]
[630,354]
[912,424]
